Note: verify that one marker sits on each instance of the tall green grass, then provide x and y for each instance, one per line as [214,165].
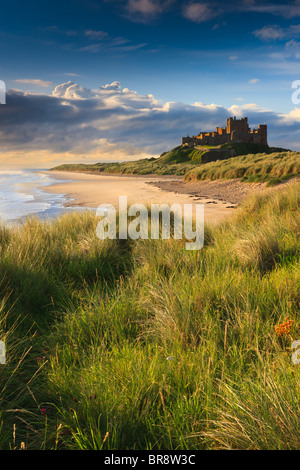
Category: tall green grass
[144,345]
[271,168]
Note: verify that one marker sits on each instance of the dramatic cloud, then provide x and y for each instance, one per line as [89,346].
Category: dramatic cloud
[113,123]
[71,91]
[116,86]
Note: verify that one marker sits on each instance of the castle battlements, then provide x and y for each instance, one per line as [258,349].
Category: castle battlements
[236,130]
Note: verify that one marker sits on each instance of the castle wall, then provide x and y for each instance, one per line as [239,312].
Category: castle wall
[236,130]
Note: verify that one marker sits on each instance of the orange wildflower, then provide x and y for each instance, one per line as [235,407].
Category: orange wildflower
[284,328]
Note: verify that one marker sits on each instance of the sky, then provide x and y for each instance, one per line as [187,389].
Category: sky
[113,80]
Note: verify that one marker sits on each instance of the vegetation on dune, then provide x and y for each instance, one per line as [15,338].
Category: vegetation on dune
[272,168]
[178,166]
[175,162]
[144,345]
[197,163]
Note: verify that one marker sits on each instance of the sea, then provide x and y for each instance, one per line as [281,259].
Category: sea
[23,193]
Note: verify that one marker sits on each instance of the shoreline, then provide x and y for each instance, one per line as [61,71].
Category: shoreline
[220,197]
[89,190]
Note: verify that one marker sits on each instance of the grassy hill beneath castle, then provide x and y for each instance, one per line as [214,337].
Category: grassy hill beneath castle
[206,154]
[252,162]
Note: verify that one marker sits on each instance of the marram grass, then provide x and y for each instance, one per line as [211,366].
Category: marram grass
[271,168]
[144,345]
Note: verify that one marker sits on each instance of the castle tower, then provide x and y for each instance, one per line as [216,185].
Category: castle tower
[239,125]
[262,129]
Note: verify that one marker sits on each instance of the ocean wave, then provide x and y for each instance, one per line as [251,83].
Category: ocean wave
[21,196]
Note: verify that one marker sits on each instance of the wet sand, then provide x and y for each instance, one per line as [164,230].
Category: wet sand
[90,190]
[231,192]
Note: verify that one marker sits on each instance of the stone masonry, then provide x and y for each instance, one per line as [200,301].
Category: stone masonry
[236,130]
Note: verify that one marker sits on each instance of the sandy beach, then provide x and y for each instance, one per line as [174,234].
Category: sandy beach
[88,190]
[220,197]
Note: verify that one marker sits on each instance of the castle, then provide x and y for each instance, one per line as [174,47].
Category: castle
[236,130]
